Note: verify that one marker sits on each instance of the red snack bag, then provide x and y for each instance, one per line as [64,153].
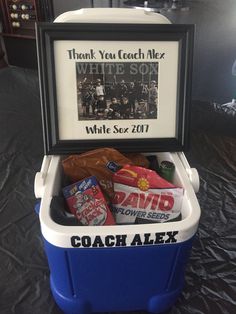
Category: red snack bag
[86,202]
[142,194]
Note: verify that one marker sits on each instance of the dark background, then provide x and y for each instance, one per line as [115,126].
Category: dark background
[210,281]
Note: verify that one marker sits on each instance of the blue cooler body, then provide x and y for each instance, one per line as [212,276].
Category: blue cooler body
[121,267]
[117,279]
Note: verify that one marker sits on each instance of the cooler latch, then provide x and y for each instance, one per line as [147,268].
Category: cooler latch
[40,177]
[191,172]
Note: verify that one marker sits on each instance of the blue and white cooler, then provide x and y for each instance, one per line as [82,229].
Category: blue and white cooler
[121,267]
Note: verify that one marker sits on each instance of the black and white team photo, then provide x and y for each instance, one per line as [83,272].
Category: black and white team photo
[112,91]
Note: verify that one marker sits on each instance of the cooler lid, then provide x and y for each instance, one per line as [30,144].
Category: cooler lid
[125,86]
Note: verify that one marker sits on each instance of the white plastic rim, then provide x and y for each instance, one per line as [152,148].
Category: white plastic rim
[127,235]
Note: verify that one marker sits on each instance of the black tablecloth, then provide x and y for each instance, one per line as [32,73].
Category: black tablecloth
[24,275]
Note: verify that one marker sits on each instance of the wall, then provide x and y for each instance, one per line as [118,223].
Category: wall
[61,6]
[215,42]
[215,47]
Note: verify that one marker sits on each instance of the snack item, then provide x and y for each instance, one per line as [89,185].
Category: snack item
[167,170]
[138,159]
[101,163]
[59,213]
[142,193]
[86,202]
[154,165]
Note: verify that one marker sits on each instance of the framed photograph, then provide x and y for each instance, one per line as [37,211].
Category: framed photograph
[126,86]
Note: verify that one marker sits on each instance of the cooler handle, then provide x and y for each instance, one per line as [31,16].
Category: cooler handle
[40,177]
[191,172]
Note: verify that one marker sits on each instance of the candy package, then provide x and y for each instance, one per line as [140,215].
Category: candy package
[85,200]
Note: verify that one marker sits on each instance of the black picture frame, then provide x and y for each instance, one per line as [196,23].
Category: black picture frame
[52,36]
